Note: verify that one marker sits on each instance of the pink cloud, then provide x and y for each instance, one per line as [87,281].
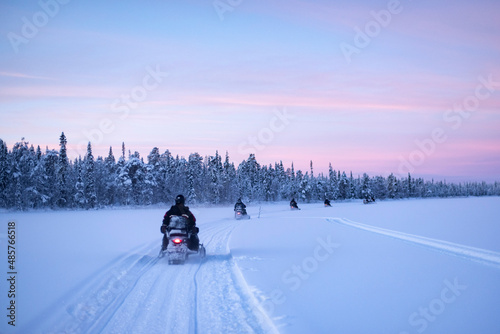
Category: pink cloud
[23,76]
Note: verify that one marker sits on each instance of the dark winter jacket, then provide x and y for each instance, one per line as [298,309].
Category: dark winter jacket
[240,205]
[179,210]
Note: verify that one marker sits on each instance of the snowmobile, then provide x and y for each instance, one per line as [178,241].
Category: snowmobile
[179,237]
[369,200]
[293,205]
[240,213]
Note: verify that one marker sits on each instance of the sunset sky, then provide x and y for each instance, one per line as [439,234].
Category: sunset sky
[370,86]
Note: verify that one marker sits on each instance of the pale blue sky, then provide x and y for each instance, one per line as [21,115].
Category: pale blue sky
[228,78]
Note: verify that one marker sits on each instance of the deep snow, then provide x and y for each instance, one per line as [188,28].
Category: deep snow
[409,266]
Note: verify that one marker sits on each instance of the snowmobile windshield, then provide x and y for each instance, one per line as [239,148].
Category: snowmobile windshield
[178,222]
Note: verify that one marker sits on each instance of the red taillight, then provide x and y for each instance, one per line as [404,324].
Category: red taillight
[177,241]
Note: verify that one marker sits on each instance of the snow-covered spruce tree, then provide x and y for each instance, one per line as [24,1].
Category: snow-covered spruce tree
[392,186]
[166,178]
[293,185]
[63,174]
[379,185]
[274,178]
[311,183]
[30,191]
[255,180]
[23,161]
[17,184]
[301,186]
[319,187]
[79,196]
[343,186]
[353,188]
[322,188]
[248,179]
[484,189]
[179,179]
[333,186]
[136,173]
[495,189]
[89,179]
[266,177]
[411,186]
[150,186]
[154,176]
[50,160]
[243,181]
[39,199]
[109,179]
[442,189]
[4,174]
[403,188]
[123,151]
[229,186]
[419,190]
[195,178]
[100,175]
[215,172]
[306,190]
[38,153]
[277,174]
[123,182]
[429,189]
[281,182]
[366,191]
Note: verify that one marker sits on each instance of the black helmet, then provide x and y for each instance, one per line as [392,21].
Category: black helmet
[179,199]
[239,200]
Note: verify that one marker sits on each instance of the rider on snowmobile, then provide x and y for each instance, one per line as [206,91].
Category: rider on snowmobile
[241,206]
[327,202]
[293,204]
[179,209]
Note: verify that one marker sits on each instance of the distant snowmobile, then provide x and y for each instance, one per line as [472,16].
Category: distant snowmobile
[240,213]
[240,210]
[293,205]
[179,247]
[369,200]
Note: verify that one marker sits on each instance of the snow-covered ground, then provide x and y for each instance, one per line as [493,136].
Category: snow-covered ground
[409,266]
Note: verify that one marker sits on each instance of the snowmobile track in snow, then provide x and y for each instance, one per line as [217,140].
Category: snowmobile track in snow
[141,293]
[479,255]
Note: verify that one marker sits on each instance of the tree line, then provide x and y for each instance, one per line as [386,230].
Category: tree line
[32,179]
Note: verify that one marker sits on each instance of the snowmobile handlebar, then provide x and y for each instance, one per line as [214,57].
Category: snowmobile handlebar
[186,230]
[169,229]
